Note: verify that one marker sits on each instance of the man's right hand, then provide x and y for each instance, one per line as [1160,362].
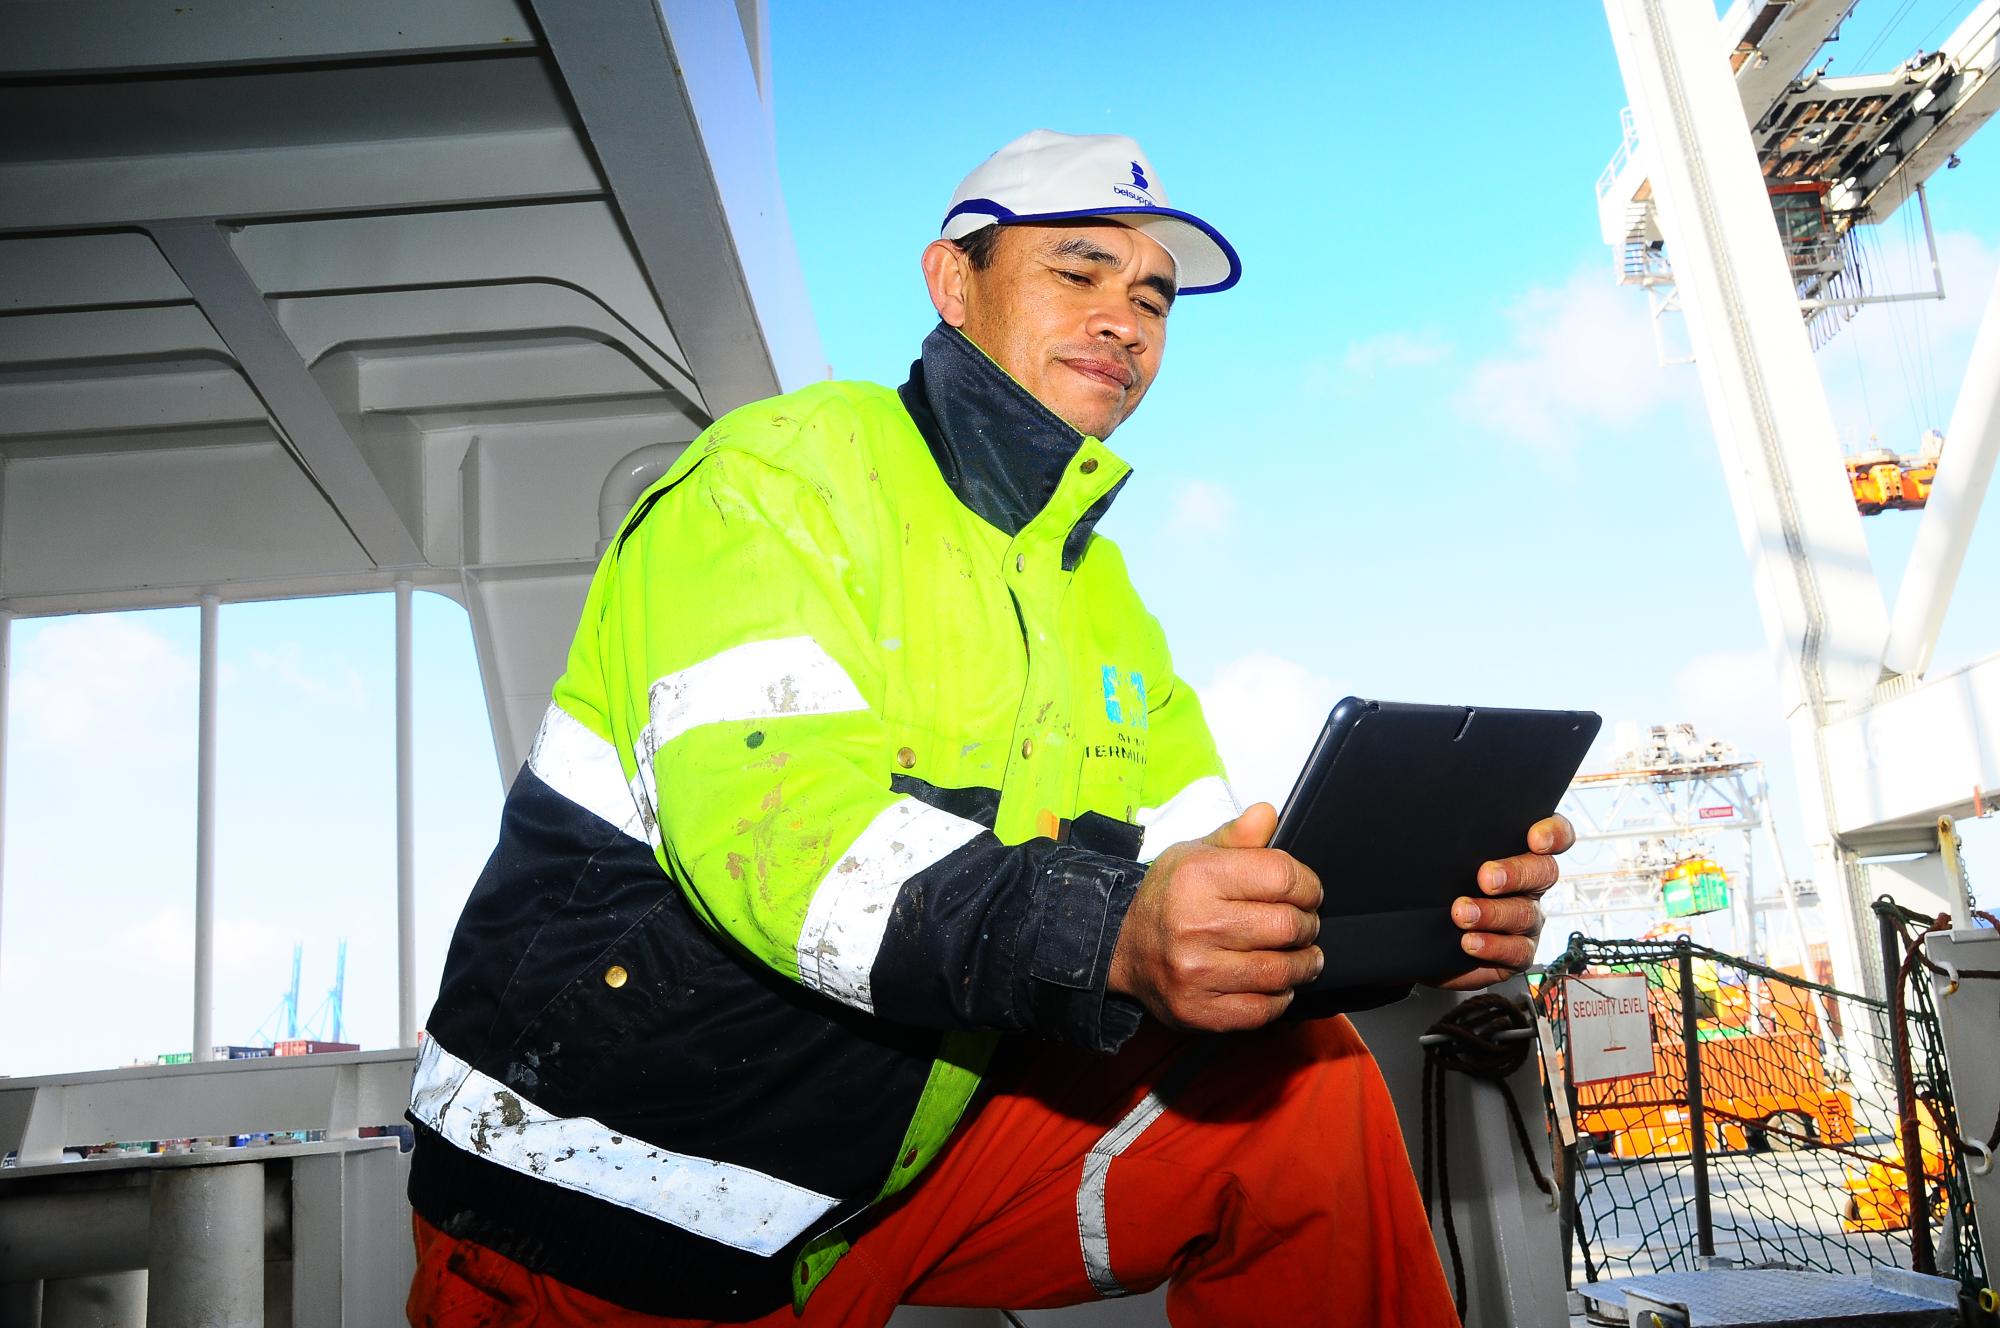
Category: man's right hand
[1221,930]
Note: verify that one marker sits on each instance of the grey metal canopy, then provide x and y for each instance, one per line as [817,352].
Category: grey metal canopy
[317,298]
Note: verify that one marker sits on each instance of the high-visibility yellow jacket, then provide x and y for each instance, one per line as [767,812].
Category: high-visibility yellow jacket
[861,733]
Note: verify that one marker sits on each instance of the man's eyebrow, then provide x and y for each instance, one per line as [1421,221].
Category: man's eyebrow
[1085,249]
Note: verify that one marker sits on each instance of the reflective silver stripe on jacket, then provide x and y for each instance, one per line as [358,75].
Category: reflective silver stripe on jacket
[1093,1220]
[850,909]
[584,768]
[792,675]
[1197,809]
[733,1205]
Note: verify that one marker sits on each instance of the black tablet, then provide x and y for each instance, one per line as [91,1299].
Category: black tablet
[1397,808]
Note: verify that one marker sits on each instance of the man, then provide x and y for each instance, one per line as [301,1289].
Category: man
[843,804]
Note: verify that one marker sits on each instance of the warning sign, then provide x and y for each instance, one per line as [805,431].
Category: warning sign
[1609,1027]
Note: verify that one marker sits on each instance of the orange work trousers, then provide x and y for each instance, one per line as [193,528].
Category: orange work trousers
[1262,1176]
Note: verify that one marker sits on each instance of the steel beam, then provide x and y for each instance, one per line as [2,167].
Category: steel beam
[406,822]
[543,165]
[335,1093]
[1932,751]
[668,93]
[107,1300]
[204,832]
[1972,442]
[1768,409]
[1963,100]
[6,678]
[352,1259]
[201,257]
[72,1233]
[122,36]
[1817,592]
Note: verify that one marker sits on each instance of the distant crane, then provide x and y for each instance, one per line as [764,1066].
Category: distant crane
[292,994]
[283,1023]
[330,1008]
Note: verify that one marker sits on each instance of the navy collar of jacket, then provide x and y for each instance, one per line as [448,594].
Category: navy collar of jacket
[1001,451]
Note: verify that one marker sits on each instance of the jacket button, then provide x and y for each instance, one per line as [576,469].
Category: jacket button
[905,757]
[1020,562]
[1027,747]
[1089,465]
[615,976]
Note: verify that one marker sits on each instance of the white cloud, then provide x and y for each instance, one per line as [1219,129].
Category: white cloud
[103,683]
[1734,696]
[1394,350]
[163,944]
[1372,357]
[1203,508]
[1265,711]
[338,684]
[1580,363]
[138,1002]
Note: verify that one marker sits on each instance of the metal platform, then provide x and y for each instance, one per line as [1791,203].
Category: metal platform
[1773,1298]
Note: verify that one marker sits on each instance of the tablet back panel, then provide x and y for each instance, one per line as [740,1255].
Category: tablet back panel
[1397,809]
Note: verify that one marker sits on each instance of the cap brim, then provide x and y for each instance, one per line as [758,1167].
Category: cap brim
[1204,262]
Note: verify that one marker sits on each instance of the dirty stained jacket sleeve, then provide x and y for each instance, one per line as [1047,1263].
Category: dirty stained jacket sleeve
[746,685]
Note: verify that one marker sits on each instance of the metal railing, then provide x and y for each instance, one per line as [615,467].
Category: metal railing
[315,1234]
[1628,143]
[1775,1129]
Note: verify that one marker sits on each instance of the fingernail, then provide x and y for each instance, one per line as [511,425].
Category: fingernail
[1496,878]
[1319,965]
[1475,944]
[1465,912]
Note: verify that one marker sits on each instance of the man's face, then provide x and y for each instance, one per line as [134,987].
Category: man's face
[1075,311]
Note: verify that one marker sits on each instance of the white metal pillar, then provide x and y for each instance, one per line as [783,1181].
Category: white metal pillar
[6,676]
[1971,444]
[1821,604]
[406,822]
[205,1247]
[204,836]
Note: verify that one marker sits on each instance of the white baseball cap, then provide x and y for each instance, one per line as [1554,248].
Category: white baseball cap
[1047,176]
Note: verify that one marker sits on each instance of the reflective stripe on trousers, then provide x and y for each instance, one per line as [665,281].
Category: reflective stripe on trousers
[1093,1220]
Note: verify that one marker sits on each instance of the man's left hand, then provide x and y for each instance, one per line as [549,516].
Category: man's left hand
[1502,929]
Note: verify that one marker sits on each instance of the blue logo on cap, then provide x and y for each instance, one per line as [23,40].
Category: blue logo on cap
[1136,191]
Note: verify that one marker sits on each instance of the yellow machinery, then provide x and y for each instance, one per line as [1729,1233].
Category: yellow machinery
[1761,1068]
[1879,1198]
[1885,482]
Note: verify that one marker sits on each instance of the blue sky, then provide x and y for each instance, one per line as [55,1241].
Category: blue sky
[1422,452]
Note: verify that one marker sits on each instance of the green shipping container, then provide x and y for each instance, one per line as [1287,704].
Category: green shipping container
[1701,892]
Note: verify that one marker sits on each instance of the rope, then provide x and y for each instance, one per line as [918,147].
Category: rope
[1471,1048]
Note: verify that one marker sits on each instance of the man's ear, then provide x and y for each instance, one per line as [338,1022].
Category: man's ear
[946,272]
